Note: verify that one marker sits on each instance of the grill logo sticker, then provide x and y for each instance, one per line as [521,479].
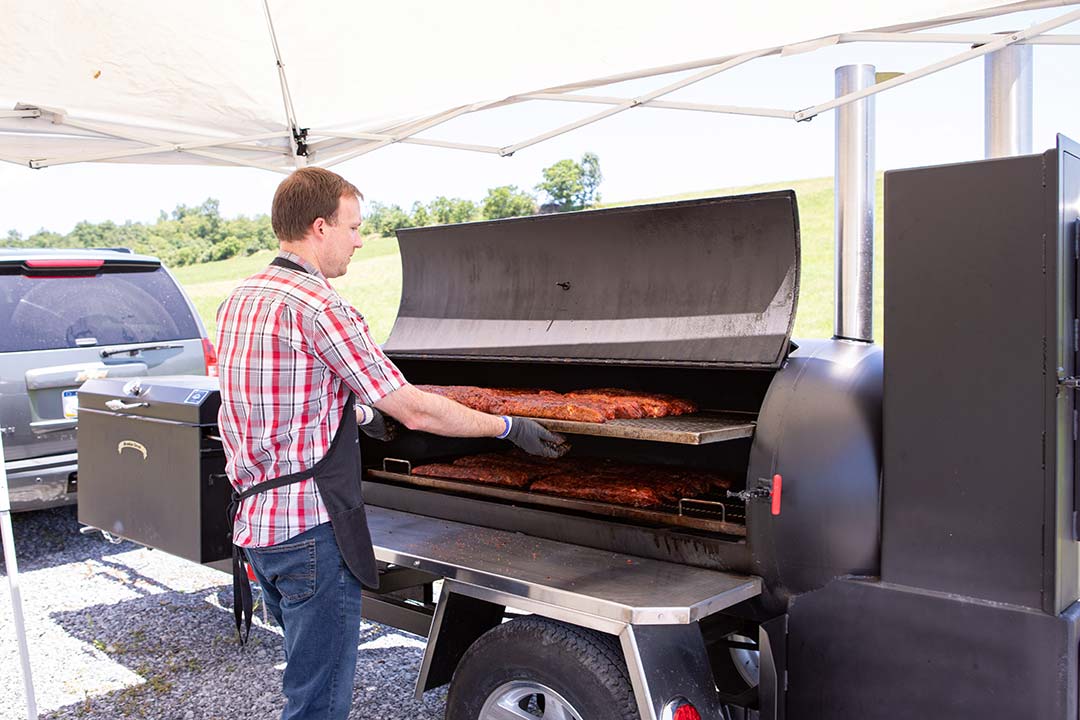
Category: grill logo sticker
[131,444]
[195,397]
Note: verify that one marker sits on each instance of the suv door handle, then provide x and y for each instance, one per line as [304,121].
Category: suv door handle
[41,427]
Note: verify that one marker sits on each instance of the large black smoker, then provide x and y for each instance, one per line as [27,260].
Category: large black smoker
[902,537]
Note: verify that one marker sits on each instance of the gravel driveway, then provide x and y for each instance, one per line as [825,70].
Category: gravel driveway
[120,631]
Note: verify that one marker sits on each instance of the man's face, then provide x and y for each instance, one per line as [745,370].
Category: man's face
[341,238]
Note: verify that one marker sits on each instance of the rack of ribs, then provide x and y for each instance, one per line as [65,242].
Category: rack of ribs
[590,405]
[506,469]
[598,479]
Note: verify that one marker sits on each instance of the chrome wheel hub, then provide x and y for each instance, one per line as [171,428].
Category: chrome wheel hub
[526,700]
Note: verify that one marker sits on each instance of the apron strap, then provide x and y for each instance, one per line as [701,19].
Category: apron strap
[243,603]
[288,264]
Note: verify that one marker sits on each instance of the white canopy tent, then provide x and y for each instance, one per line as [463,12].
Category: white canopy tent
[273,84]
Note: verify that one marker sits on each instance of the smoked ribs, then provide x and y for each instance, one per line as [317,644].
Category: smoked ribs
[598,479]
[592,405]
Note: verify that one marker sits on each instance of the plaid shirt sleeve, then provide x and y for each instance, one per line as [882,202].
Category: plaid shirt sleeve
[342,340]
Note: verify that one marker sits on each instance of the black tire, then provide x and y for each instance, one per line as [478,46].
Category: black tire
[584,667]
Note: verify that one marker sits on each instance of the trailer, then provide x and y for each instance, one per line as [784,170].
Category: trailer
[902,538]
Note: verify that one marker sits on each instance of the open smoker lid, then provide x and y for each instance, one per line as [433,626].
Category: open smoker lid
[701,282]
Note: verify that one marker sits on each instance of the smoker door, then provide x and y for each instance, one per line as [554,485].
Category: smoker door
[980,311]
[1066,549]
[703,282]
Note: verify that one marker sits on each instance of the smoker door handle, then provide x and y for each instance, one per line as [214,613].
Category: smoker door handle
[121,405]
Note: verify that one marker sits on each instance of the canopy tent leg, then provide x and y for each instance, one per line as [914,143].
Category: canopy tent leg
[1008,83]
[854,199]
[13,582]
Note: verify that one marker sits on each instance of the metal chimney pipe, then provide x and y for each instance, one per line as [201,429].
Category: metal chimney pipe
[854,192]
[1008,74]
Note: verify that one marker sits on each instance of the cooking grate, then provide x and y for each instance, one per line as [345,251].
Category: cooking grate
[696,429]
[711,512]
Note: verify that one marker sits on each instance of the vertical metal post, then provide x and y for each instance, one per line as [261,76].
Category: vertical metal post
[854,193]
[1008,74]
[13,582]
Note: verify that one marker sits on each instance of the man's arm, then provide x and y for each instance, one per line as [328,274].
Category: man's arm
[341,340]
[427,412]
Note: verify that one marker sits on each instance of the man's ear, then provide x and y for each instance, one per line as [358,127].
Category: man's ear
[318,227]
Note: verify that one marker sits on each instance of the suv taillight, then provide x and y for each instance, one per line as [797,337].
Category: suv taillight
[209,357]
[63,264]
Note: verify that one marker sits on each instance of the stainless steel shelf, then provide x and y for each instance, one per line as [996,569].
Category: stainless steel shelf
[697,429]
[616,587]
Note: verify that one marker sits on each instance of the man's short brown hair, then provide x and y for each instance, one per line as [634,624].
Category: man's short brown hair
[307,194]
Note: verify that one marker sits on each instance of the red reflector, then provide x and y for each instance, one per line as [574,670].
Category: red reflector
[686,712]
[209,357]
[777,486]
[58,263]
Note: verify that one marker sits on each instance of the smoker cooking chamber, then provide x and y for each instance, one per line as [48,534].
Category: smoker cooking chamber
[694,299]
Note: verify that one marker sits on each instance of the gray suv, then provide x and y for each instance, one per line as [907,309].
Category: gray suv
[67,316]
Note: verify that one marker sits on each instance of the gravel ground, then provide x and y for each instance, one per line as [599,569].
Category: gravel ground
[120,631]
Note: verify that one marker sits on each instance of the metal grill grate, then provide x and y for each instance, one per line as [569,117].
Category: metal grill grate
[711,513]
[696,429]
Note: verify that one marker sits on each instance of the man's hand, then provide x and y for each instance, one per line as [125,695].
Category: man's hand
[379,427]
[535,439]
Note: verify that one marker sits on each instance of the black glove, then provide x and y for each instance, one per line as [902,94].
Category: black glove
[535,439]
[379,427]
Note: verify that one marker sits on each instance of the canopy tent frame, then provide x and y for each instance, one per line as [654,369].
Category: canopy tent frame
[11,565]
[303,145]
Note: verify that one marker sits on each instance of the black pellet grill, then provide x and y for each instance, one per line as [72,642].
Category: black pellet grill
[924,561]
[149,446]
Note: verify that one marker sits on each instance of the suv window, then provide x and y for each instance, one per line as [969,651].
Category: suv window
[47,313]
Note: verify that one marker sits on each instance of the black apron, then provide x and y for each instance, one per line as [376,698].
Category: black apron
[337,477]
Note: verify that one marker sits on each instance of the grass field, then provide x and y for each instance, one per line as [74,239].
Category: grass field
[373,283]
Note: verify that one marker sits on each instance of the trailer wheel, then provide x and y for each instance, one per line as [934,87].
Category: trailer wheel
[533,667]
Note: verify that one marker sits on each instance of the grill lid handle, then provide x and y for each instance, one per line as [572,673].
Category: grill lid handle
[121,405]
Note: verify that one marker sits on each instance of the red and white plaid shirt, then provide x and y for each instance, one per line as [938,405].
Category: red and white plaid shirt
[289,350]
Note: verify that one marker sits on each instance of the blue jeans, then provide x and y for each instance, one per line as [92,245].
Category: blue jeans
[316,600]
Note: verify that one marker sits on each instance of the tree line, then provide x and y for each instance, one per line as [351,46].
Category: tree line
[568,185]
[198,233]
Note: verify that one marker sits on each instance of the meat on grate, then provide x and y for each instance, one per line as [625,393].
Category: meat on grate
[587,478]
[594,405]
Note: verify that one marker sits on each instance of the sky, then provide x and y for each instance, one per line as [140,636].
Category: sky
[644,152]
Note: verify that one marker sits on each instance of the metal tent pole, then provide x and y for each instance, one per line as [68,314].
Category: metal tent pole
[854,197]
[1008,85]
[13,582]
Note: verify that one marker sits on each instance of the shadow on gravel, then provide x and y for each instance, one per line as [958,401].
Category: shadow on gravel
[49,538]
[186,651]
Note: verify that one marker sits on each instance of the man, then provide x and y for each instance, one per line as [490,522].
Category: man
[293,356]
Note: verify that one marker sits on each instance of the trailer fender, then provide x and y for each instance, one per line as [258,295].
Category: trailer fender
[459,621]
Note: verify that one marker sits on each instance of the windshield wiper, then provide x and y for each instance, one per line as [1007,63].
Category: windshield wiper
[136,350]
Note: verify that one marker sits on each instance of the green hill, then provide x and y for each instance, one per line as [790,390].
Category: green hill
[373,283]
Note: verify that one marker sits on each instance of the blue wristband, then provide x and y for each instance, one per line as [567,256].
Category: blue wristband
[504,433]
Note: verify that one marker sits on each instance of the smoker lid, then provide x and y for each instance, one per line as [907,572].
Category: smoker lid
[183,399]
[701,282]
